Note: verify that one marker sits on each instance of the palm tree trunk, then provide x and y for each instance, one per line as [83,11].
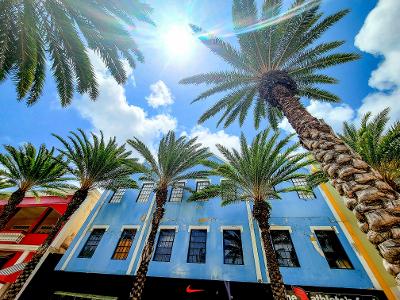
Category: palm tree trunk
[11,207]
[141,274]
[261,213]
[77,199]
[375,204]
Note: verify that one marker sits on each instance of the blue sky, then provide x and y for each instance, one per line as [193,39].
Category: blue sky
[134,109]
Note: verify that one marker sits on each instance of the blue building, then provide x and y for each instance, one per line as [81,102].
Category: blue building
[205,249]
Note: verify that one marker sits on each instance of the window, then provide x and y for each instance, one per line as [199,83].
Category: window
[233,253]
[302,182]
[333,249]
[164,245]
[284,248]
[117,196]
[229,191]
[197,246]
[124,244]
[202,184]
[92,243]
[5,256]
[177,192]
[147,189]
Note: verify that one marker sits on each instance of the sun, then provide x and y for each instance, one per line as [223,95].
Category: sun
[178,41]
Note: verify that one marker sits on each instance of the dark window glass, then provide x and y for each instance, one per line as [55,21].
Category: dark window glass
[302,182]
[177,192]
[147,189]
[124,244]
[5,256]
[117,196]
[164,245]
[333,249]
[197,246]
[284,248]
[201,184]
[92,243]
[233,253]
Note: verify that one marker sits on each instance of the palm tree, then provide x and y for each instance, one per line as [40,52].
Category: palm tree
[30,170]
[94,164]
[279,61]
[174,161]
[254,174]
[33,31]
[378,147]
[5,185]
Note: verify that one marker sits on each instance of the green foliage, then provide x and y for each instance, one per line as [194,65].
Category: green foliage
[4,186]
[254,172]
[271,41]
[64,29]
[174,161]
[96,163]
[377,146]
[36,170]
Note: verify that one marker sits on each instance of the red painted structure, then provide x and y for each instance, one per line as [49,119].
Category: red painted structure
[26,231]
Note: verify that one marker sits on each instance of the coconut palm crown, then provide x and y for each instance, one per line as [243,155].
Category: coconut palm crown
[32,32]
[175,160]
[274,48]
[376,145]
[256,173]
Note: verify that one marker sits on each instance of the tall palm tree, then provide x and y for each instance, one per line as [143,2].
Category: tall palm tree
[33,31]
[379,147]
[254,174]
[277,62]
[174,161]
[94,164]
[30,170]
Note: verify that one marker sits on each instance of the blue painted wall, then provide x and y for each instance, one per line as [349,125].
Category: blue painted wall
[291,211]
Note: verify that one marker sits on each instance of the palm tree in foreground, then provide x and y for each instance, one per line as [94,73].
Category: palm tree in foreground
[174,162]
[379,147]
[33,31]
[95,164]
[254,174]
[278,61]
[30,170]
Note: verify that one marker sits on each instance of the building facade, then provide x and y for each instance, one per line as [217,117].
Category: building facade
[30,226]
[205,251]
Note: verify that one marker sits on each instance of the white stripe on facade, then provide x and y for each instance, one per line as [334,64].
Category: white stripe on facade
[254,243]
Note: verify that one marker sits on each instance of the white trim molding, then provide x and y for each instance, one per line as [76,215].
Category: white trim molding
[281,227]
[202,179]
[231,227]
[161,227]
[195,227]
[313,228]
[105,227]
[254,243]
[123,227]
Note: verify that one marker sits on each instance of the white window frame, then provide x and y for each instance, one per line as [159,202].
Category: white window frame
[162,227]
[198,227]
[118,200]
[281,227]
[105,227]
[231,227]
[123,227]
[143,183]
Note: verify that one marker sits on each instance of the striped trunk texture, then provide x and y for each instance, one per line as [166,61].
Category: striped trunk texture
[141,274]
[261,213]
[11,207]
[77,199]
[375,204]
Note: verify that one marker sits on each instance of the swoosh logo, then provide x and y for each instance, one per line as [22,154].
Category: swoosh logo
[300,293]
[189,290]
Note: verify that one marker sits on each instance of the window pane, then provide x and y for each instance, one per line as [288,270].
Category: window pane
[164,245]
[177,192]
[197,246]
[302,182]
[147,189]
[201,184]
[333,249]
[284,248]
[92,243]
[124,244]
[233,253]
[117,196]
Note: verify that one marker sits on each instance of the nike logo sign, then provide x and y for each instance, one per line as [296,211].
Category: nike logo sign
[189,290]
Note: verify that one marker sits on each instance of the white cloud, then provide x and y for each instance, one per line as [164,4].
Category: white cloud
[112,114]
[333,115]
[210,139]
[160,95]
[379,35]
